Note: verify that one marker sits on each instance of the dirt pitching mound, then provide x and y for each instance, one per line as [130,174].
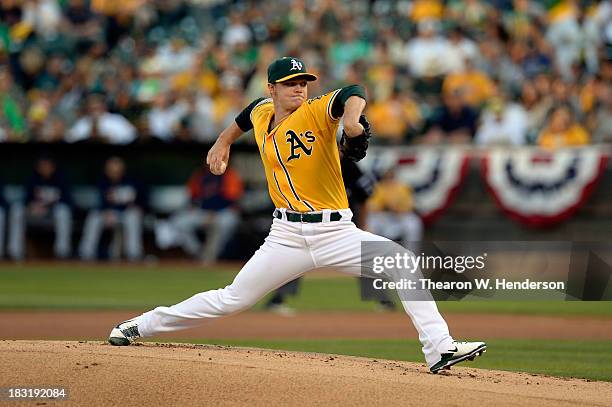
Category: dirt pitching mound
[97,374]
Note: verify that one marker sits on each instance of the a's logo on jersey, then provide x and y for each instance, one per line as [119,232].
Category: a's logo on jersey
[297,143]
[296,65]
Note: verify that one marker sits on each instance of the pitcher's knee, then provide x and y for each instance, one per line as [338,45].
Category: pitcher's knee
[231,303]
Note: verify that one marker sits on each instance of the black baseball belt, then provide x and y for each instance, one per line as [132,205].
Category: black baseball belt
[307,217]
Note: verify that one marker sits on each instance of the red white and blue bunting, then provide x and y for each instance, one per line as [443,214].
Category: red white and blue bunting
[540,188]
[435,175]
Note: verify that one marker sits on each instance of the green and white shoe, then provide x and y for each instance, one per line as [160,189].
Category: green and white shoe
[125,333]
[459,352]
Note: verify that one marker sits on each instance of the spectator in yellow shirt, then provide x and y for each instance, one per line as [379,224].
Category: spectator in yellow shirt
[426,10]
[475,86]
[116,7]
[563,130]
[391,211]
[394,117]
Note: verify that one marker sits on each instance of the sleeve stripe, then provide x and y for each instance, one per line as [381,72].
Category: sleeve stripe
[330,103]
[267,100]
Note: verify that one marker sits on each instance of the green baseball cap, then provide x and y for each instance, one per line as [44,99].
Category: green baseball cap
[287,68]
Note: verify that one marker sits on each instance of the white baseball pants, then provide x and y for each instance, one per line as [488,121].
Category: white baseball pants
[19,218]
[290,250]
[130,220]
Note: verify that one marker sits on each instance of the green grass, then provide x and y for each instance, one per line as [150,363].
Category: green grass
[581,359]
[82,287]
[98,288]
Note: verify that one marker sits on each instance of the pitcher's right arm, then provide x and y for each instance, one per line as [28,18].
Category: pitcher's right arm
[218,155]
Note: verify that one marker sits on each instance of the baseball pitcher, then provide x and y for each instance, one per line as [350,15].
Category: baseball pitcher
[312,228]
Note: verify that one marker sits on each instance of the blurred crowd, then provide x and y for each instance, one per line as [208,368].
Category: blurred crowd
[473,71]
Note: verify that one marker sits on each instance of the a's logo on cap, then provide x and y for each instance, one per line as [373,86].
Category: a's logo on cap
[296,65]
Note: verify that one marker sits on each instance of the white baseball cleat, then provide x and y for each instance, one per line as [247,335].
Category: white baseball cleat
[459,351]
[124,333]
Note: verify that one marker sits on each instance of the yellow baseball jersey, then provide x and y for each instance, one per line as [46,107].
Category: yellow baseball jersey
[300,155]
